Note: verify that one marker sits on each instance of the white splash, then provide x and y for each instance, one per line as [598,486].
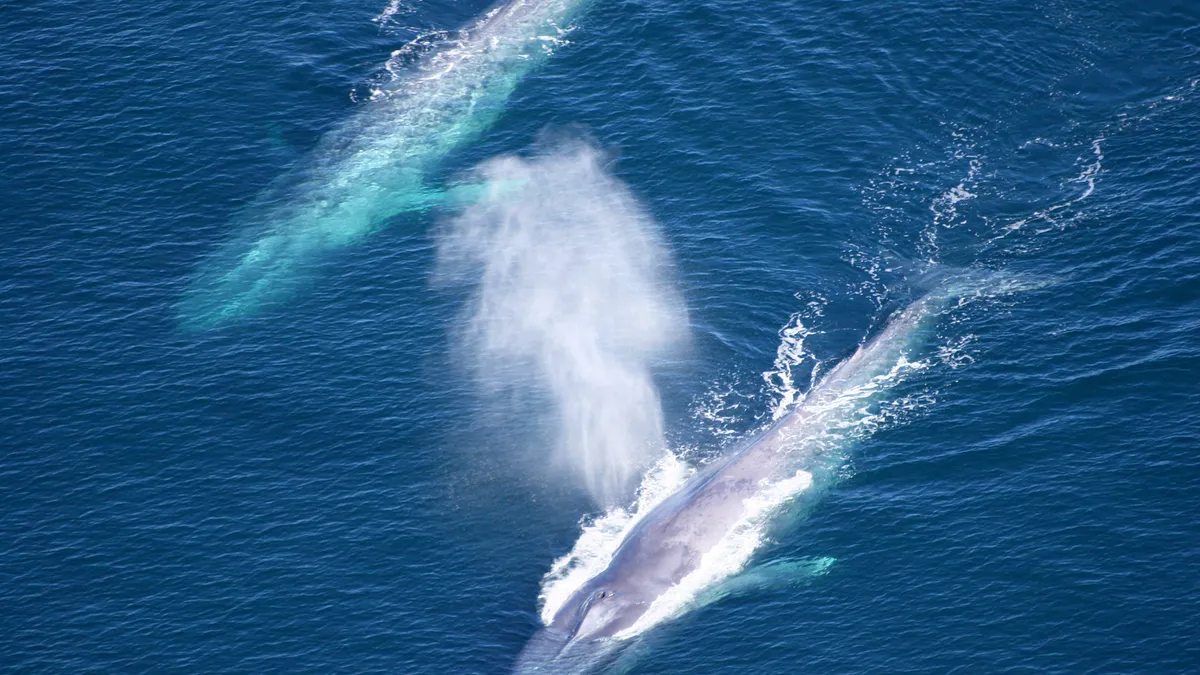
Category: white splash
[945,207]
[791,354]
[393,8]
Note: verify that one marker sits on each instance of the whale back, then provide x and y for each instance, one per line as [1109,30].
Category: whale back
[670,541]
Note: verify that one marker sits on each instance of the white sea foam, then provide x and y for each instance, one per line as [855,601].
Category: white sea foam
[393,8]
[791,354]
[1051,217]
[720,407]
[945,206]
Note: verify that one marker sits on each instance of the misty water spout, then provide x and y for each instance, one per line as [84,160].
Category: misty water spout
[573,291]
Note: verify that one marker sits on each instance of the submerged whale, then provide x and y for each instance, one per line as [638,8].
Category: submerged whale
[669,543]
[377,164]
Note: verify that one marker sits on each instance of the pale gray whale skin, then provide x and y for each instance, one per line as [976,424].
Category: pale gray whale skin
[380,162]
[669,542]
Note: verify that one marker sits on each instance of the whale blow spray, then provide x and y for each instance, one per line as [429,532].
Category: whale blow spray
[572,292]
[375,165]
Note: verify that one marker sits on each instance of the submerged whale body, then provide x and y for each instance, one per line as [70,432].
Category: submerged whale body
[376,165]
[669,542]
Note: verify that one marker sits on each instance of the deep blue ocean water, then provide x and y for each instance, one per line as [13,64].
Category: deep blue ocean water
[321,486]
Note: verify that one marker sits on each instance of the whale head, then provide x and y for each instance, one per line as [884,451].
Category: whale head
[600,609]
[586,631]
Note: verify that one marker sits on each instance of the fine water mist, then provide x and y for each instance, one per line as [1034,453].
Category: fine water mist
[573,294]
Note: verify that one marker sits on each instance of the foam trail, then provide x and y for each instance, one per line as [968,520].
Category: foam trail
[375,165]
[1053,214]
[573,293]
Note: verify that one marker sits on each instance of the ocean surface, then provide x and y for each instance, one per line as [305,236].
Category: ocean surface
[639,231]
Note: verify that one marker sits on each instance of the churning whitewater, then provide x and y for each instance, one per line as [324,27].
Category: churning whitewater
[377,164]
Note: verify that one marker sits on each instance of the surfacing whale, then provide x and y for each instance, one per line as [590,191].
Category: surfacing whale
[376,165]
[669,543]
